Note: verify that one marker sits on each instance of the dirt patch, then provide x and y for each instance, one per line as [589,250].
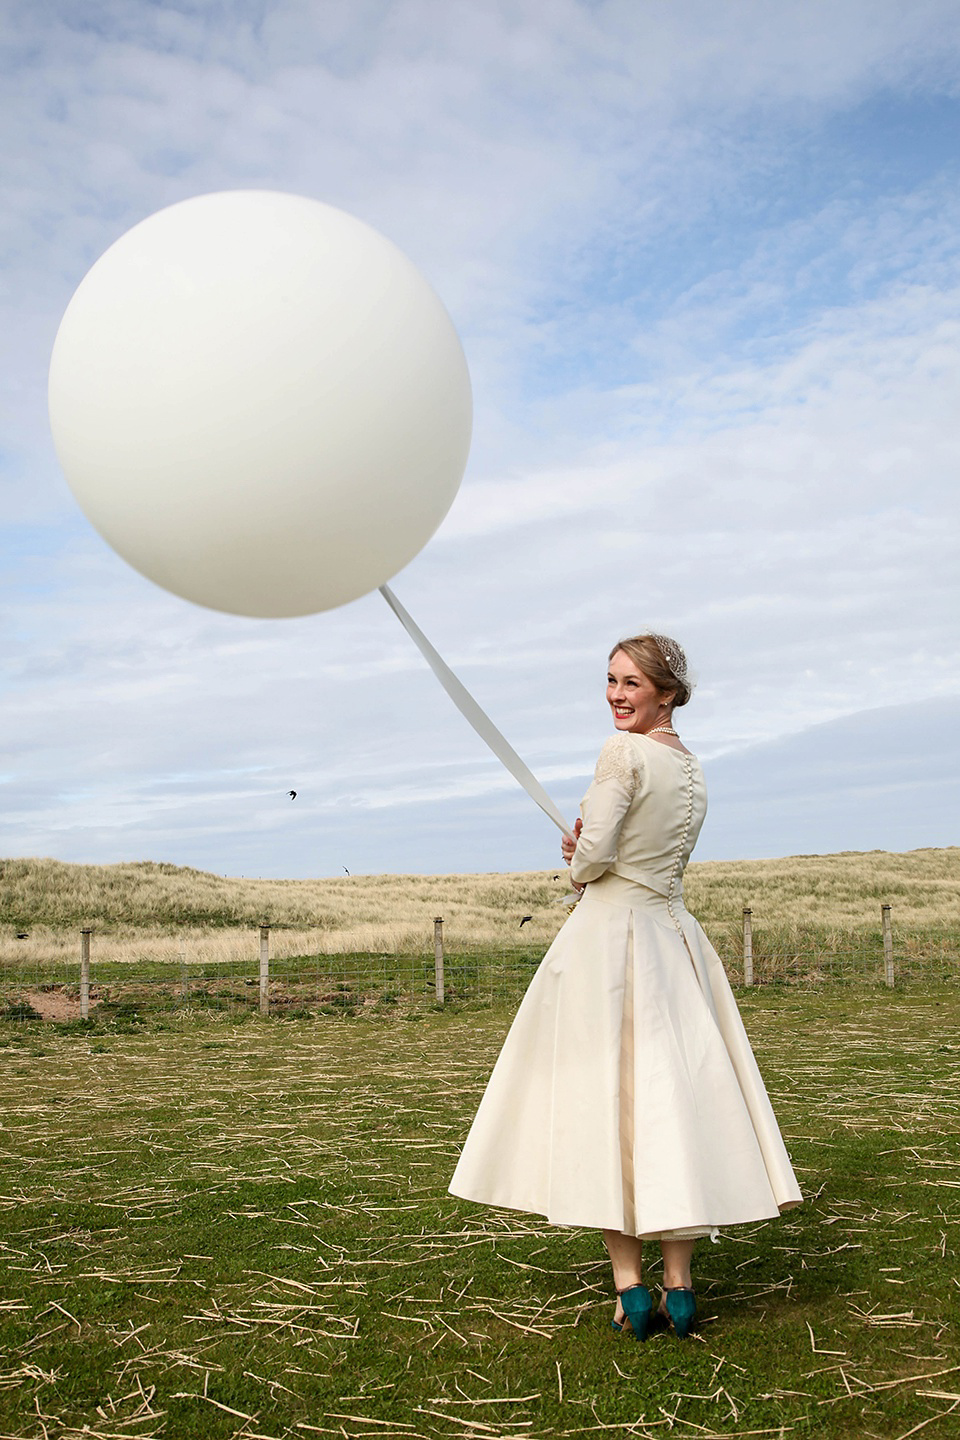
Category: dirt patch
[56,1004]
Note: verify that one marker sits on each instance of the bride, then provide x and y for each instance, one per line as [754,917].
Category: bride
[626,1096]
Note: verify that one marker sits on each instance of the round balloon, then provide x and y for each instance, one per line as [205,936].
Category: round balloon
[260,403]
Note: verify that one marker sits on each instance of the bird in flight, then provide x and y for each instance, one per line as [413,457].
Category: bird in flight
[524,920]
[292,794]
[345,870]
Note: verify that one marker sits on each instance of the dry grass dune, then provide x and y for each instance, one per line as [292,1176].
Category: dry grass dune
[148,911]
[843,891]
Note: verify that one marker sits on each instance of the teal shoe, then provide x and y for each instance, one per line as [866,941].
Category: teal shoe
[637,1305]
[681,1307]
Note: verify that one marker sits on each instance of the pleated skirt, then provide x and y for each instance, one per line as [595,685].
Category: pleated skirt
[626,1095]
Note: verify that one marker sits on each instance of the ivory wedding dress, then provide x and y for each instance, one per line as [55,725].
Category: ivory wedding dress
[626,1096]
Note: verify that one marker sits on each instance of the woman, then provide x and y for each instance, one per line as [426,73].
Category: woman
[626,1095]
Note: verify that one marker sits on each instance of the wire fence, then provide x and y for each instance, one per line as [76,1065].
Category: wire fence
[333,985]
[279,972]
[910,958]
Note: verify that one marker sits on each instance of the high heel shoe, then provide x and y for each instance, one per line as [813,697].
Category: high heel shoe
[637,1305]
[679,1310]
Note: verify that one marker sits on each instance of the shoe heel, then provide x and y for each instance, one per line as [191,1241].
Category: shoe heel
[682,1309]
[637,1305]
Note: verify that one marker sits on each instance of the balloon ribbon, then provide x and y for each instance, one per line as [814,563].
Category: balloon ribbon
[471,711]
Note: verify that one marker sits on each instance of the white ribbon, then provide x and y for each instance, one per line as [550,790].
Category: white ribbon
[471,711]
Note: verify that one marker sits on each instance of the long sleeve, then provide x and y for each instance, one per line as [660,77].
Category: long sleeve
[605,805]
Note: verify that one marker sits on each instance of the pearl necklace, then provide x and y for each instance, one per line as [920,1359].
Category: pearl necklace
[663,730]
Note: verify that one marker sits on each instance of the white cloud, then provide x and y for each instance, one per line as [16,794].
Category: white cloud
[716,364]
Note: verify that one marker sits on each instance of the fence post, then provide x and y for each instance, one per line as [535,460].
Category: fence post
[84,974]
[438,957]
[887,945]
[747,946]
[264,969]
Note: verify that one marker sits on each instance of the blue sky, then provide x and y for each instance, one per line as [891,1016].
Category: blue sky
[704,262]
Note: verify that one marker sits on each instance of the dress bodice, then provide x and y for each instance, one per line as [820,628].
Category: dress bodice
[641,815]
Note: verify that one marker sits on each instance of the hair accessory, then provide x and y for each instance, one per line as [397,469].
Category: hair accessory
[673,655]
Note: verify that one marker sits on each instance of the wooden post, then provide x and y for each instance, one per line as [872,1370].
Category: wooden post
[438,957]
[84,974]
[887,945]
[747,947]
[264,969]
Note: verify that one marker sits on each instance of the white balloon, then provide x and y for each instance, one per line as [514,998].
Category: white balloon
[260,403]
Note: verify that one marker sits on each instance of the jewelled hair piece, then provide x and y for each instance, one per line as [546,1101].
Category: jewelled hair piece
[673,657]
[673,654]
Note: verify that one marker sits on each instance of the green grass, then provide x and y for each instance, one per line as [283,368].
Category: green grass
[350,982]
[214,1225]
[356,983]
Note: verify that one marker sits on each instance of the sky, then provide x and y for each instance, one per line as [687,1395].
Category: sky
[704,261]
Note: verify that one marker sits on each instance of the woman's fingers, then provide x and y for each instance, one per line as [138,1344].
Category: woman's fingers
[568,843]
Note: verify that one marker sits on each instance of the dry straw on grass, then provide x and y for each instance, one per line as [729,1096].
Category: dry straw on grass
[244,1231]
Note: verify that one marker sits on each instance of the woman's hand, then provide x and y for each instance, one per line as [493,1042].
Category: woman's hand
[569,843]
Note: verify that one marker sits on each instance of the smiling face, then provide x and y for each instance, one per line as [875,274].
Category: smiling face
[635,702]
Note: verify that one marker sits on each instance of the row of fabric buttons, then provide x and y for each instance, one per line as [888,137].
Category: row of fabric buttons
[688,770]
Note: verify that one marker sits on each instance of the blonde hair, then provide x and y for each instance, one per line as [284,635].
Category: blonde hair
[650,654]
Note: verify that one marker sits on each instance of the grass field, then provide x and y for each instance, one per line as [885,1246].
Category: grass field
[227,1227]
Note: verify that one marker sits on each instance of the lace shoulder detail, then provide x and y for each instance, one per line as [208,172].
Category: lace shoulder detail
[619,761]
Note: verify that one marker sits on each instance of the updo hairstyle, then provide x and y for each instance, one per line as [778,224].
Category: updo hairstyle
[649,654]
